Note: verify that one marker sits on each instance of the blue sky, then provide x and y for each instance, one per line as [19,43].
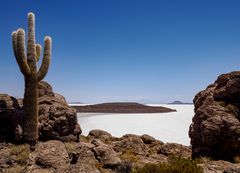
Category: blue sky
[126,50]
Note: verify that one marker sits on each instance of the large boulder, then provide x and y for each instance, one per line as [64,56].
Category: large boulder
[131,143]
[11,117]
[57,120]
[50,156]
[215,128]
[105,154]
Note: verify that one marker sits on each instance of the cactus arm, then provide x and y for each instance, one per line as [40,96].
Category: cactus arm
[19,51]
[14,43]
[46,58]
[31,49]
[38,51]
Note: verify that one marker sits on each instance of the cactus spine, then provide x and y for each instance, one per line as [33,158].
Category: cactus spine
[28,66]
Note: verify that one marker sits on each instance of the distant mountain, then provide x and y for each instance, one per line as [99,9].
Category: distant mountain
[179,103]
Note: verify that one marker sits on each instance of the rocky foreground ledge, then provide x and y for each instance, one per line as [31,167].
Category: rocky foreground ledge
[99,152]
[122,107]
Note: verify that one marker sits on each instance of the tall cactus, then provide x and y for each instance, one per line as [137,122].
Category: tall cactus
[28,66]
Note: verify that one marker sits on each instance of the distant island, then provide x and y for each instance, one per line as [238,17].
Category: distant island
[122,107]
[75,103]
[179,103]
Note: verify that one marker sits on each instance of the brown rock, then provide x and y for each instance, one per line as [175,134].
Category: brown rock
[147,139]
[60,98]
[48,156]
[99,134]
[57,120]
[215,130]
[11,117]
[45,89]
[173,149]
[131,143]
[105,154]
[86,162]
[219,166]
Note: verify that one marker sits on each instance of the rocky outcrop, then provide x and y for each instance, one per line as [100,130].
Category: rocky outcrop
[215,128]
[56,119]
[95,155]
[11,117]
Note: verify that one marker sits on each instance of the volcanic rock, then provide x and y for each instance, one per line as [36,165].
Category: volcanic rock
[11,117]
[215,128]
[99,134]
[147,139]
[105,154]
[51,155]
[57,120]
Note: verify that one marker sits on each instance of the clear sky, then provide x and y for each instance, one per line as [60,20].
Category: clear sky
[126,50]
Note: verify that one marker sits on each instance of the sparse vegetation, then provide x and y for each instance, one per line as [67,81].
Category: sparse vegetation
[203,160]
[175,165]
[99,166]
[21,152]
[70,147]
[128,155]
[84,138]
[236,159]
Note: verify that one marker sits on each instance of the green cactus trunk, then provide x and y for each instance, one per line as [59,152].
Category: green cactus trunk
[30,103]
[28,66]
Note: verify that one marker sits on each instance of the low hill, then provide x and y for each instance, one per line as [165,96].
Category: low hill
[122,107]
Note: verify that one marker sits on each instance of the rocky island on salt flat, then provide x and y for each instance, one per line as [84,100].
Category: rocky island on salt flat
[122,107]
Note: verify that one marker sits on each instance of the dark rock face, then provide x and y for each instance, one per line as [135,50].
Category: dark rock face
[11,117]
[215,130]
[56,119]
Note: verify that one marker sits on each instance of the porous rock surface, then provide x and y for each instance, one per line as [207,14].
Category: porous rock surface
[10,118]
[57,120]
[96,154]
[50,156]
[215,128]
